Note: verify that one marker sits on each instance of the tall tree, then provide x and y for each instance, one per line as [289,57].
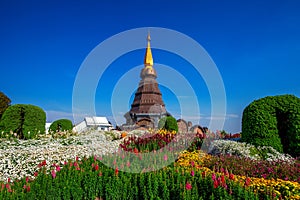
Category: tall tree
[4,103]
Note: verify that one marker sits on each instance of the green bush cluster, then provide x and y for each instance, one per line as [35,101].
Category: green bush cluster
[61,125]
[25,121]
[89,179]
[273,121]
[169,123]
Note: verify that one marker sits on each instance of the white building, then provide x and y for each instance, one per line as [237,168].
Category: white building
[98,123]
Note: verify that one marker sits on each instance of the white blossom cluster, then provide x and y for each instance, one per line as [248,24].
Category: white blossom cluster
[20,158]
[228,147]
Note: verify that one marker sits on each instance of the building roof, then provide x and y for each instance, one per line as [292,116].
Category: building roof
[96,121]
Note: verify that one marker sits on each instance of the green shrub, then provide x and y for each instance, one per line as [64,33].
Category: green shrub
[273,121]
[169,123]
[4,103]
[162,122]
[61,125]
[26,121]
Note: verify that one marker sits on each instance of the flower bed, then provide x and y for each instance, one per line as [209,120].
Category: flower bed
[20,158]
[66,168]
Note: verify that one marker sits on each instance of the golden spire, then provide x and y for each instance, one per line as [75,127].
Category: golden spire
[148,61]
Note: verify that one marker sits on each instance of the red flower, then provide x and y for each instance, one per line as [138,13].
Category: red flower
[26,179]
[223,180]
[8,180]
[96,167]
[28,188]
[77,158]
[188,186]
[231,176]
[117,171]
[35,174]
[216,183]
[247,181]
[135,150]
[203,174]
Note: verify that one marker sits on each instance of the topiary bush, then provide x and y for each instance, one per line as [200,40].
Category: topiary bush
[169,123]
[273,121]
[61,125]
[25,121]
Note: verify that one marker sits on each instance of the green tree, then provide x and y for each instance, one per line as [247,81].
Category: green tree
[4,103]
[26,121]
[169,123]
[61,125]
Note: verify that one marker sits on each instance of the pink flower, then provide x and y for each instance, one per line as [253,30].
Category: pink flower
[57,168]
[77,158]
[192,173]
[26,179]
[128,164]
[213,176]
[53,174]
[188,186]
[165,157]
[192,163]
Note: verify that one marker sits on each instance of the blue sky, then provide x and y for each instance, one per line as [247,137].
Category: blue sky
[254,44]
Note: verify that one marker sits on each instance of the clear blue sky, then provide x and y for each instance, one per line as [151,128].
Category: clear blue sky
[255,45]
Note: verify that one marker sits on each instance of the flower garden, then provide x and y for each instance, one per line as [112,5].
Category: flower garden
[151,166]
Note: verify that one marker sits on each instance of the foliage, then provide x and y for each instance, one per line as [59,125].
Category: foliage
[61,125]
[169,123]
[4,103]
[23,121]
[273,121]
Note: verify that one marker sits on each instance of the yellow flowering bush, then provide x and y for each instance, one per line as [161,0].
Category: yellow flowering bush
[194,158]
[164,132]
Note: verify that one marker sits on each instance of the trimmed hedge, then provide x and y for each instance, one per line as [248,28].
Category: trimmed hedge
[169,123]
[61,125]
[273,121]
[26,121]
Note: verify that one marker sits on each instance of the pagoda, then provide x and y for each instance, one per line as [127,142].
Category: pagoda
[148,106]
